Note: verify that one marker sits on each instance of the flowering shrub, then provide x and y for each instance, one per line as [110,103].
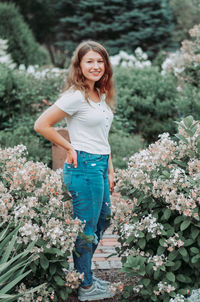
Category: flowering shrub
[42,72]
[138,60]
[32,195]
[159,224]
[186,62]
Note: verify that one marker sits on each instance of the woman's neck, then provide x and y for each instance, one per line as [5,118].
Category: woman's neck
[91,86]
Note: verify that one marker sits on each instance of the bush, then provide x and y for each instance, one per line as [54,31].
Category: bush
[22,132]
[21,92]
[32,195]
[147,100]
[159,223]
[123,145]
[22,44]
[188,102]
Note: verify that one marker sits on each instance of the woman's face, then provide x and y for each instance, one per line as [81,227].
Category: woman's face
[92,66]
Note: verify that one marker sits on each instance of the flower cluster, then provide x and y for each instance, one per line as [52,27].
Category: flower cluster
[40,73]
[158,261]
[172,242]
[121,209]
[178,298]
[138,60]
[184,64]
[164,287]
[41,295]
[73,279]
[147,224]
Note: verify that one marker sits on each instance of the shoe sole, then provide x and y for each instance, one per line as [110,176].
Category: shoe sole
[98,297]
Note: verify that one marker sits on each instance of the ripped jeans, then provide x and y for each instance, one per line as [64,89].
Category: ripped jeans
[89,187]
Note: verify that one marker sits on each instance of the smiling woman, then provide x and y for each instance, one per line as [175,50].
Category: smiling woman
[86,103]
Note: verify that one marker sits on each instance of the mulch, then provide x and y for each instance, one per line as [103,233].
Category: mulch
[112,275]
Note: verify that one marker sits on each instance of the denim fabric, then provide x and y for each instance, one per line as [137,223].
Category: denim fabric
[89,187]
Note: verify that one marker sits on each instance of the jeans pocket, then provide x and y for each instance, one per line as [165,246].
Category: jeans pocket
[95,158]
[67,178]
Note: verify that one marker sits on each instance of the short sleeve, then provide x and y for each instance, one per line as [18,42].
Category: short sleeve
[69,101]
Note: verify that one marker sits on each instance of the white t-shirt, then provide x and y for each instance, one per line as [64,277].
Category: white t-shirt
[88,124]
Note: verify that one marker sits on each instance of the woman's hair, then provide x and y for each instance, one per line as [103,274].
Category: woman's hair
[77,80]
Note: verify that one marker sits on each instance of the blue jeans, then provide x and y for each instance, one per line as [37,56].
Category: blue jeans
[89,187]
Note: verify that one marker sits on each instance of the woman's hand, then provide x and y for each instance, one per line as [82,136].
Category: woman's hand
[111,181]
[71,157]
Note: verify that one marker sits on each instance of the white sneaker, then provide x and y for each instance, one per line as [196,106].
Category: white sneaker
[102,283]
[94,293]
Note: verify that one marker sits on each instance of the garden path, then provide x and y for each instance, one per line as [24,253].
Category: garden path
[105,248]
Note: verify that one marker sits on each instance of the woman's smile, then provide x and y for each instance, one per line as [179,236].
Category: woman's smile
[92,66]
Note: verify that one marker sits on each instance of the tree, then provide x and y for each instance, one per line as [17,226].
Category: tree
[42,17]
[21,43]
[118,24]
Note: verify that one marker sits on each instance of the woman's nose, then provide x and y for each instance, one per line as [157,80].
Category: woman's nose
[96,65]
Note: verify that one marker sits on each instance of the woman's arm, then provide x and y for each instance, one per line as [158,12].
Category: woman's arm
[110,175]
[44,126]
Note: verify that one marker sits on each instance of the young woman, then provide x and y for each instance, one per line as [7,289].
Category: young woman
[87,103]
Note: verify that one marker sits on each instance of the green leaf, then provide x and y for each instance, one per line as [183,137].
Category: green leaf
[157,274]
[130,239]
[160,250]
[195,259]
[188,121]
[162,242]
[59,280]
[170,276]
[146,282]
[185,224]
[52,269]
[173,255]
[198,146]
[176,266]
[63,294]
[167,213]
[188,242]
[11,284]
[194,233]
[178,219]
[183,251]
[44,262]
[182,138]
[65,264]
[181,278]
[54,251]
[194,250]
[142,243]
[169,263]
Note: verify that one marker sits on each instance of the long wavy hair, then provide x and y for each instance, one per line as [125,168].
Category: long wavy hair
[76,79]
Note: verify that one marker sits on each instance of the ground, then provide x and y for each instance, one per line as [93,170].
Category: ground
[112,275]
